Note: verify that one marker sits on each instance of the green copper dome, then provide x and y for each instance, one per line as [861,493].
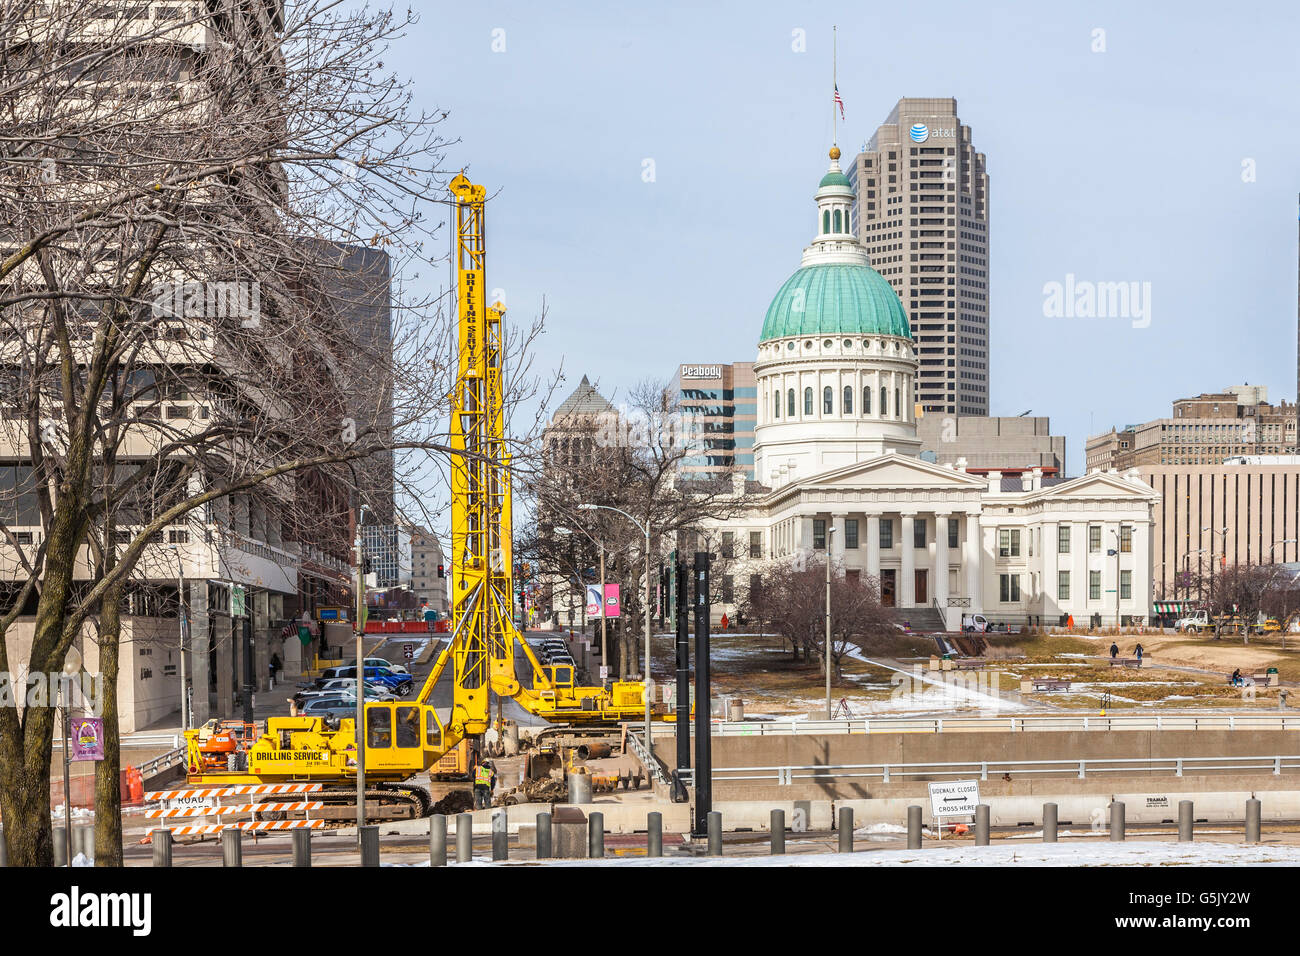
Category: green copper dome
[835,299]
[835,178]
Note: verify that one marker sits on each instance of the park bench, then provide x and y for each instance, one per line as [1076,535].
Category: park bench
[1050,683]
[1125,662]
[968,663]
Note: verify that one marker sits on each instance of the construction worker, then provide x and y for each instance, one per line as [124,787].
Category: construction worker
[484,780]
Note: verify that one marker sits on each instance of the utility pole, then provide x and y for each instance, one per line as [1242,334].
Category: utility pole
[703,715]
[830,531]
[183,618]
[604,649]
[360,683]
[683,710]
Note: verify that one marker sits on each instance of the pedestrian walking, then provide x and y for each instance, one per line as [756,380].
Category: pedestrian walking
[1137,651]
[1114,650]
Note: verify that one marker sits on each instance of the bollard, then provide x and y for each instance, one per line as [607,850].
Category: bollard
[4,849]
[596,835]
[715,832]
[83,842]
[438,840]
[1253,808]
[232,847]
[543,836]
[1116,822]
[654,830]
[464,838]
[846,829]
[778,832]
[500,836]
[914,827]
[370,845]
[981,824]
[301,847]
[1049,823]
[60,847]
[1185,820]
[162,847]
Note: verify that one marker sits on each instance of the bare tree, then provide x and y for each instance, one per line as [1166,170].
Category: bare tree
[179,192]
[791,597]
[631,459]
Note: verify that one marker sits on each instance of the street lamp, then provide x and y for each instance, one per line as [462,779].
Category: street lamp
[1224,534]
[649,682]
[180,615]
[1187,572]
[830,531]
[1275,544]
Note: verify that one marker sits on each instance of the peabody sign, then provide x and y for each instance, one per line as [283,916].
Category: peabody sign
[701,371]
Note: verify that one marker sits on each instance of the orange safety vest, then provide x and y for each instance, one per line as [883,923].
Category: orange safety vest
[483,777]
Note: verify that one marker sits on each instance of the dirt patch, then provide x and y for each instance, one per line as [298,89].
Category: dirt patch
[458,801]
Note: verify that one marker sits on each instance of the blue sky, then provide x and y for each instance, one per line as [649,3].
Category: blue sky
[1122,165]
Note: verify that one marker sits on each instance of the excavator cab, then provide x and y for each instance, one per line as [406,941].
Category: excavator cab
[399,735]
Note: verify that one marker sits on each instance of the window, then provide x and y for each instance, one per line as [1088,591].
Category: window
[756,544]
[379,727]
[954,530]
[851,533]
[866,400]
[826,221]
[1094,538]
[884,402]
[898,402]
[1009,543]
[838,220]
[886,532]
[1126,585]
[728,589]
[408,726]
[1009,588]
[1094,585]
[828,400]
[776,407]
[728,544]
[1126,538]
[819,534]
[807,401]
[1063,585]
[848,400]
[1063,539]
[918,533]
[789,401]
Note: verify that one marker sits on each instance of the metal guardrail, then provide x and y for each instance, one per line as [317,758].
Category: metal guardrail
[154,741]
[887,773]
[648,760]
[1023,723]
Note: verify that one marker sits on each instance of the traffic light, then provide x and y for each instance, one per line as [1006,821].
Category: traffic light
[442,573]
[367,566]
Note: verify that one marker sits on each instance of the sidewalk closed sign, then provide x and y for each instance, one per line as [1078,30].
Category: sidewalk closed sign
[954,798]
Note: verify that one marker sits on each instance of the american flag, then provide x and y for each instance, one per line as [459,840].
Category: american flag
[839,102]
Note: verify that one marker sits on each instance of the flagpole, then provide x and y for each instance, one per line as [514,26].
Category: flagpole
[835,83]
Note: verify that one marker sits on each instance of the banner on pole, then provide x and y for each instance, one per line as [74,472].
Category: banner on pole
[611,600]
[87,735]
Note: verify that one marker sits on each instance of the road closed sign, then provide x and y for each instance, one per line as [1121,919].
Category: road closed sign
[954,798]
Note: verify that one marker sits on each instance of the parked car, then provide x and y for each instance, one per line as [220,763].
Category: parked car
[329,707]
[380,662]
[342,686]
[399,684]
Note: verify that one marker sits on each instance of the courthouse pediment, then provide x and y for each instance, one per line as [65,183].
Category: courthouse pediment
[1099,485]
[894,472]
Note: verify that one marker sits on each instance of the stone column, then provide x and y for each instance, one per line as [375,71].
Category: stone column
[907,586]
[197,661]
[973,556]
[873,547]
[940,572]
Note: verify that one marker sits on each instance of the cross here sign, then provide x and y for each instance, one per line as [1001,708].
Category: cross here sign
[954,798]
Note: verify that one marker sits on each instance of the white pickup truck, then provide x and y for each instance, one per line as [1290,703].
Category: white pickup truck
[1193,623]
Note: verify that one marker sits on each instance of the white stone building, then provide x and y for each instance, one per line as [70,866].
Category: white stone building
[836,454]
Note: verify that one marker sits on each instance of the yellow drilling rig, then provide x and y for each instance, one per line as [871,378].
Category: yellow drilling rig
[405,738]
